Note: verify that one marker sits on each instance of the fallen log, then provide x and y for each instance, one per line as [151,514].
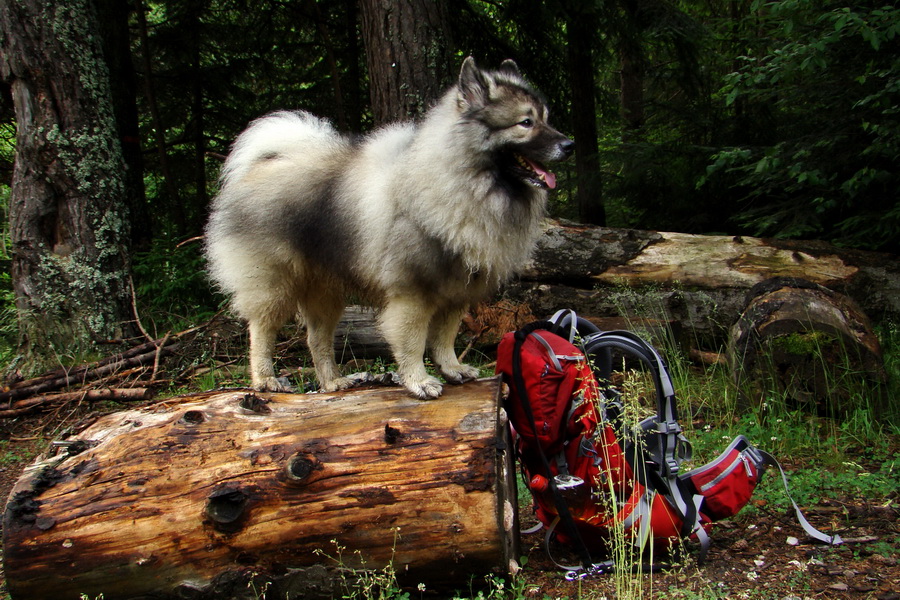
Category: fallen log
[811,344]
[699,281]
[143,354]
[196,496]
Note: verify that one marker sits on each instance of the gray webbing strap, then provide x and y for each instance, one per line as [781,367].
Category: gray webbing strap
[811,531]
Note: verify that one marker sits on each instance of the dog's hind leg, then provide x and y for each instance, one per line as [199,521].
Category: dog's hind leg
[444,327]
[322,318]
[404,322]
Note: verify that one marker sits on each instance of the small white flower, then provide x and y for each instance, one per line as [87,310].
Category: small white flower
[752,575]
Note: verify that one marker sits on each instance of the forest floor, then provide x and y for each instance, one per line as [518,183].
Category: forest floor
[751,558]
[761,554]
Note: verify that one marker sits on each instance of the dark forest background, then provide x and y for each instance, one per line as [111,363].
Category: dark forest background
[739,117]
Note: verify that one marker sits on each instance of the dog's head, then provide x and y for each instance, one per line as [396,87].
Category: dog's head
[514,120]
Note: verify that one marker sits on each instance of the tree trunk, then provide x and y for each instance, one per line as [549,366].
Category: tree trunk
[352,58]
[631,74]
[117,54]
[170,187]
[699,281]
[69,223]
[580,32]
[197,217]
[407,54]
[815,346]
[193,497]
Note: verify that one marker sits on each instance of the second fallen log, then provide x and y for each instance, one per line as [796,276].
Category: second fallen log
[814,345]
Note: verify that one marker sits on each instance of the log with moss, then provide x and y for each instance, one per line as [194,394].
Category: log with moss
[813,346]
[211,495]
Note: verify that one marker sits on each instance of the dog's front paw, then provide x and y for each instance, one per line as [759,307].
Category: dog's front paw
[273,384]
[339,383]
[460,373]
[425,388]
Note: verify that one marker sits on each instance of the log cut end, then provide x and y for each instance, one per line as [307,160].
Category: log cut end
[201,494]
[815,345]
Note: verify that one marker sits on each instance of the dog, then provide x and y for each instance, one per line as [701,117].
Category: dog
[417,219]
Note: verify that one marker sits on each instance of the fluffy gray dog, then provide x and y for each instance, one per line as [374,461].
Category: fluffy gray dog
[418,219]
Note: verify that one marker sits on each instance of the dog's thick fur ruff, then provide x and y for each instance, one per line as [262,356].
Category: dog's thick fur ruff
[419,220]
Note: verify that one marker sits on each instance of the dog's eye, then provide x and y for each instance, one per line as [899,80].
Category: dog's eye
[527,123]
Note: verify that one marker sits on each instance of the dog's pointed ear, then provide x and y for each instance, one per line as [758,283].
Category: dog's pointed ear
[473,86]
[509,67]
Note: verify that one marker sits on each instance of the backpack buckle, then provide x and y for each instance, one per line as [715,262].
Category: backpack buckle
[667,427]
[566,482]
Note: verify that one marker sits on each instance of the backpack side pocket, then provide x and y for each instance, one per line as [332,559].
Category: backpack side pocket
[727,483]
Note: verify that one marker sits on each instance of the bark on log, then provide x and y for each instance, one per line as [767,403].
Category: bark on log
[358,337]
[815,346]
[193,497]
[650,280]
[700,281]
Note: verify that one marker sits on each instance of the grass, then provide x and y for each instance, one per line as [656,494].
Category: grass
[361,583]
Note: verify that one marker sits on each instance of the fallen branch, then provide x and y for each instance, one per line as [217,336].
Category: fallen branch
[29,405]
[139,355]
[148,353]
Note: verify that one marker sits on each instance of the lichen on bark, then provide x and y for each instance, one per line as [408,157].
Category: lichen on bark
[69,219]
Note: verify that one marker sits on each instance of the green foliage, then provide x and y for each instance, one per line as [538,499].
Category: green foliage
[10,458]
[825,88]
[9,324]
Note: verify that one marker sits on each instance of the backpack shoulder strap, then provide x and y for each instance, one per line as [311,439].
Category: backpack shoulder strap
[811,531]
[569,325]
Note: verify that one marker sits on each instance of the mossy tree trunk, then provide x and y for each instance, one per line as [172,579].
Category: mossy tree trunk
[69,223]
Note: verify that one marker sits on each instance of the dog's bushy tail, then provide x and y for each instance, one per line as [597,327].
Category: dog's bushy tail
[281,135]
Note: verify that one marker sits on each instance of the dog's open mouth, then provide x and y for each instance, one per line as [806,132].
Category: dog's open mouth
[534,173]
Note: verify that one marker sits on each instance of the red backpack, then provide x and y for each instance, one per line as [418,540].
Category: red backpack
[588,471]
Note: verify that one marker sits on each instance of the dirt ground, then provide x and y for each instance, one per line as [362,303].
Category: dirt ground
[749,557]
[752,558]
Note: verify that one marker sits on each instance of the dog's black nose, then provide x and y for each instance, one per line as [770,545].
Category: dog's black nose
[567,147]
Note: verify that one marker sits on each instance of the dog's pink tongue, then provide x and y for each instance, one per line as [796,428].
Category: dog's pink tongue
[548,177]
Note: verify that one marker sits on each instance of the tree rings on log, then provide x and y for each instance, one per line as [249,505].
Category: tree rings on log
[812,346]
[200,496]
